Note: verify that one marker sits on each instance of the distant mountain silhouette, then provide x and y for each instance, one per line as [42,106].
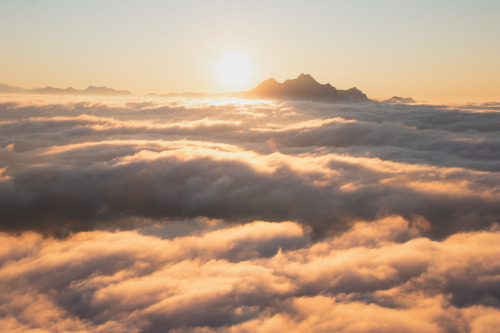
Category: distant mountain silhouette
[91,90]
[304,87]
[397,99]
[5,88]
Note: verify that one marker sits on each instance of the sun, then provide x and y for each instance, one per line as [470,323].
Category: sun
[233,70]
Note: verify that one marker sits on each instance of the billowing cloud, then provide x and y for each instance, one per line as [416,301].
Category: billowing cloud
[248,216]
[258,277]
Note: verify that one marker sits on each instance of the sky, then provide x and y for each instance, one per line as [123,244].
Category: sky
[429,50]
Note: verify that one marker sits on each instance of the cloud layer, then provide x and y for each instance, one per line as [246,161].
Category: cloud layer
[260,277]
[246,216]
[74,167]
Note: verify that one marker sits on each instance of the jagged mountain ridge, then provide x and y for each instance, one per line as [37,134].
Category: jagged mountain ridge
[305,87]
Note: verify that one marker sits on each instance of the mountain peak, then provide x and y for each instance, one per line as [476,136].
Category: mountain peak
[304,77]
[271,80]
[403,100]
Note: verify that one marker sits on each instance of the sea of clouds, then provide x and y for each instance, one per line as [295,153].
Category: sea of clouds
[229,215]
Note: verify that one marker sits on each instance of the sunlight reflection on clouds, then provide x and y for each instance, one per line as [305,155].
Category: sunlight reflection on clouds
[222,214]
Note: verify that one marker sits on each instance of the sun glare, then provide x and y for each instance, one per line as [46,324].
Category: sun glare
[233,70]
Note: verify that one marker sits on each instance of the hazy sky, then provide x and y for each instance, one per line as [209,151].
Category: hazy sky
[430,50]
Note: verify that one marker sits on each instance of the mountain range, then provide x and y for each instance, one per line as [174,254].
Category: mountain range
[91,90]
[304,87]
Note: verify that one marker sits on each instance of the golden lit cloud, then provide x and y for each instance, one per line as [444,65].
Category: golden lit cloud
[231,215]
[256,277]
